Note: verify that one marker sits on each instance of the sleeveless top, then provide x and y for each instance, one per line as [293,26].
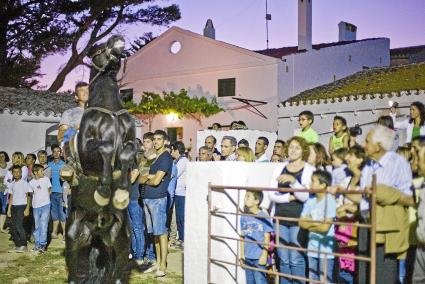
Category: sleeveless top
[3,173]
[338,142]
[294,208]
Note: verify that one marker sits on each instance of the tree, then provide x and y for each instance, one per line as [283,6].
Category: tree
[29,31]
[141,42]
[91,21]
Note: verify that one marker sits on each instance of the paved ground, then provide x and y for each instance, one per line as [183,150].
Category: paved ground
[50,268]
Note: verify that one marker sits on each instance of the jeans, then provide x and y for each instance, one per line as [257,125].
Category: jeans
[41,220]
[3,201]
[17,228]
[290,261]
[253,276]
[137,229]
[180,201]
[345,277]
[401,270]
[156,215]
[57,210]
[316,268]
[150,250]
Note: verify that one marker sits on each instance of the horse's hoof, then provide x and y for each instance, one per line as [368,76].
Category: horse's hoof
[100,200]
[121,199]
[67,172]
[116,174]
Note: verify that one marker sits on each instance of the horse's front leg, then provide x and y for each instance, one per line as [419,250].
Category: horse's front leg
[126,156]
[103,194]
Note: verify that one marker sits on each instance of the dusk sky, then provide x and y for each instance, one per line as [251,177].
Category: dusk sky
[242,23]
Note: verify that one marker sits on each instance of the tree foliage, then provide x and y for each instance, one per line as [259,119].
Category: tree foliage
[29,31]
[91,21]
[181,103]
[141,42]
[33,29]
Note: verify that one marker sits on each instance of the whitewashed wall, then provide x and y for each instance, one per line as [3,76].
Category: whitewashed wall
[197,68]
[358,111]
[317,67]
[196,216]
[24,132]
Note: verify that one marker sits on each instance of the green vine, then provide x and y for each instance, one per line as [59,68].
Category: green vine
[152,104]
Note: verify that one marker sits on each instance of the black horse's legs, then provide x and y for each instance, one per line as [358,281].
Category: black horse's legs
[79,236]
[121,196]
[103,193]
[121,237]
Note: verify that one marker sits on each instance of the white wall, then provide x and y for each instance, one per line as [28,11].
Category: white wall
[324,113]
[196,216]
[26,137]
[197,68]
[317,67]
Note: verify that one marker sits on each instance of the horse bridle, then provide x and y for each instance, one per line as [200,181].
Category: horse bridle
[110,56]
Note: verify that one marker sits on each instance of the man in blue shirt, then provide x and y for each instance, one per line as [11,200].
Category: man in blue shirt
[393,171]
[155,201]
[56,197]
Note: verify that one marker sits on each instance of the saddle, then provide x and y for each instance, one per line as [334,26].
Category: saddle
[72,170]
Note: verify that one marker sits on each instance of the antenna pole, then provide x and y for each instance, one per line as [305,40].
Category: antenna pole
[267,27]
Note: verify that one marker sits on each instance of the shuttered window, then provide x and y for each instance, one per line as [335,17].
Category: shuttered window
[226,87]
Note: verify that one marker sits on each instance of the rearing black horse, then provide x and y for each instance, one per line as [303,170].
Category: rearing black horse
[97,237]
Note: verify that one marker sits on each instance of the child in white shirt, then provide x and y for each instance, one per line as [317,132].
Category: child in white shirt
[19,207]
[40,187]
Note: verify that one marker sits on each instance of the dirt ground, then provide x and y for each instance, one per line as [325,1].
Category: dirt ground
[50,267]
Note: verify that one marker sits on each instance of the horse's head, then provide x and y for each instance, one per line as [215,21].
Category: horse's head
[107,56]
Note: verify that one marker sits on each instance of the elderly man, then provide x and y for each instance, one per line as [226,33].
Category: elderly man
[210,142]
[228,148]
[394,179]
[205,154]
[419,268]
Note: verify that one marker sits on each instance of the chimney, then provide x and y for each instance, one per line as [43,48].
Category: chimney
[347,31]
[304,24]
[209,30]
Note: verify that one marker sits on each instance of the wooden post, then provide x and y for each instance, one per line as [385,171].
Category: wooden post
[209,197]
[372,279]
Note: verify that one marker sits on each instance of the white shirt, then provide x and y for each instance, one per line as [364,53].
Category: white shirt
[40,189]
[263,158]
[19,190]
[391,170]
[181,176]
[406,125]
[8,179]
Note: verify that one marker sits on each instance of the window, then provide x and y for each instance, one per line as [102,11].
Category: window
[175,134]
[226,87]
[175,47]
[287,68]
[126,95]
[349,58]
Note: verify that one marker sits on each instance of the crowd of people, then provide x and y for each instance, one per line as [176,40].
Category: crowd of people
[32,186]
[341,165]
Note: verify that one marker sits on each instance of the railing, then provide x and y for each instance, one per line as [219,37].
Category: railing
[216,212]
